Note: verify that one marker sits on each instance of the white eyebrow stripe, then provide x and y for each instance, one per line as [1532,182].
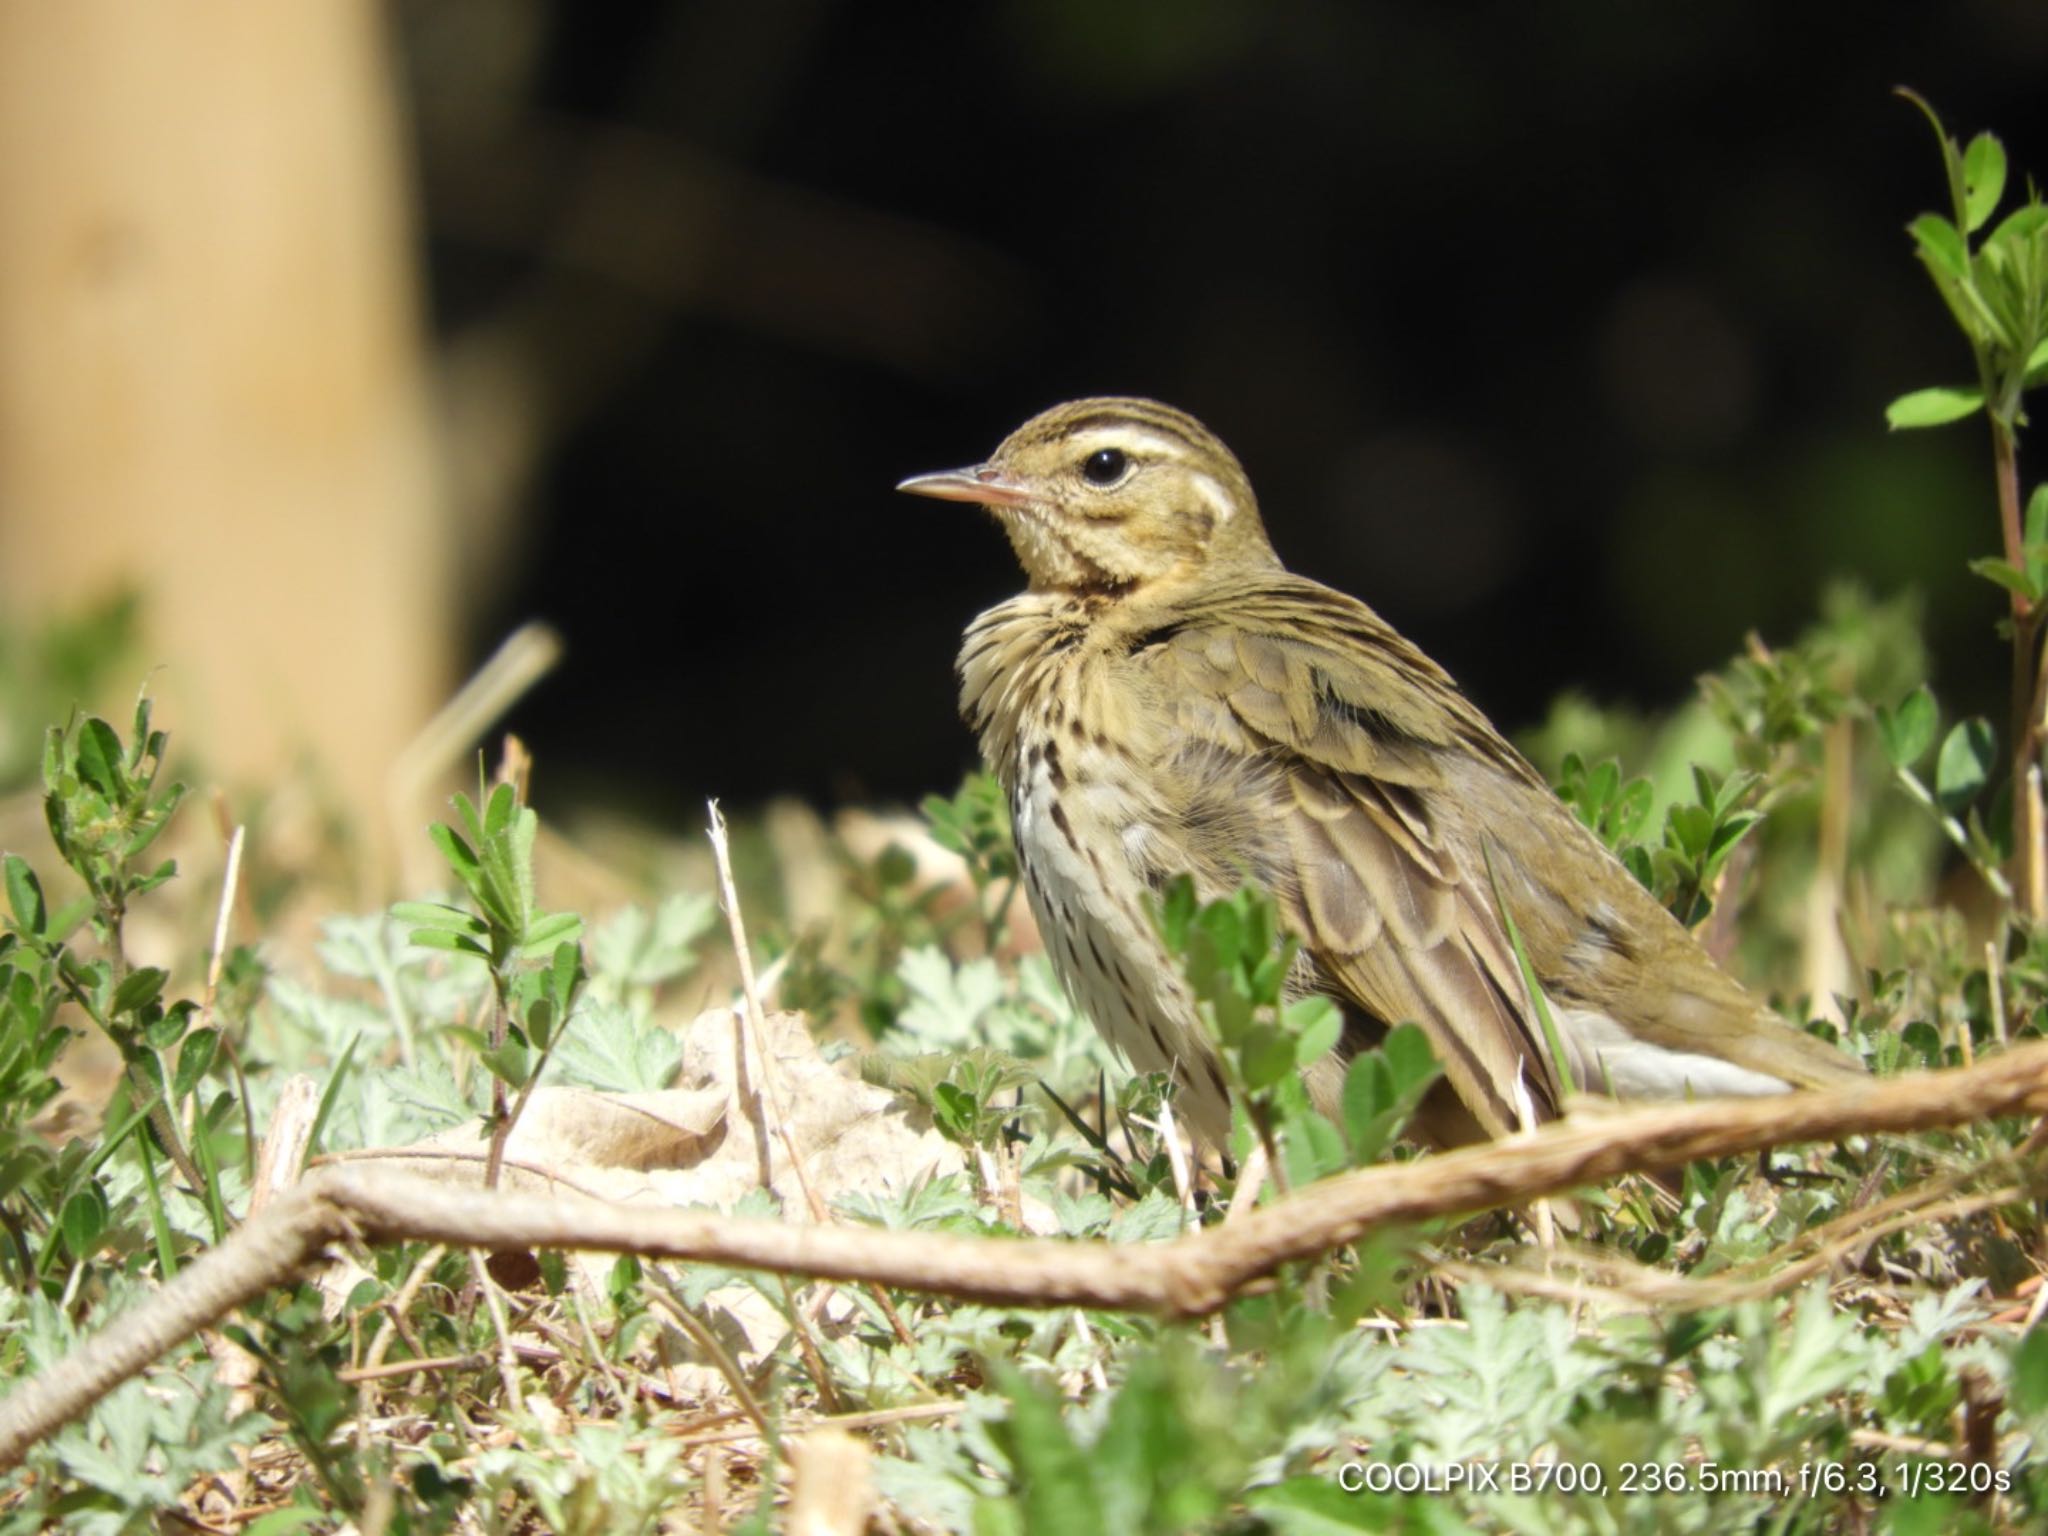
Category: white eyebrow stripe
[1132,439]
[1211,490]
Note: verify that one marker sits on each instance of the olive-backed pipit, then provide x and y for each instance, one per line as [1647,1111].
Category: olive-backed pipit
[1166,697]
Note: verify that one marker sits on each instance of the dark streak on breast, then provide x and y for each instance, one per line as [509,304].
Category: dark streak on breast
[1059,819]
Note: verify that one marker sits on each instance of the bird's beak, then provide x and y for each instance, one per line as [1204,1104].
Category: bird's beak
[990,487]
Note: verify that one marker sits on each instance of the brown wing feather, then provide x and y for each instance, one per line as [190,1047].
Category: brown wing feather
[1331,742]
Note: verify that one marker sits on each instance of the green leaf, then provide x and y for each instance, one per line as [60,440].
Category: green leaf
[1983,180]
[194,1058]
[1560,1063]
[1260,934]
[545,933]
[498,812]
[25,896]
[1314,1147]
[1269,976]
[466,809]
[1317,1506]
[540,1022]
[509,1062]
[461,857]
[954,1112]
[288,1522]
[1319,1025]
[2037,508]
[332,1093]
[1057,1488]
[163,1028]
[437,915]
[1689,829]
[1908,731]
[895,867]
[84,1219]
[455,943]
[613,1050]
[565,975]
[2030,1372]
[1382,1088]
[1933,407]
[2036,371]
[1368,1094]
[1268,1056]
[156,877]
[1411,1060]
[99,758]
[1965,764]
[1231,1012]
[1941,246]
[138,988]
[159,817]
[2009,577]
[2021,225]
[1224,925]
[1727,834]
[53,760]
[1177,912]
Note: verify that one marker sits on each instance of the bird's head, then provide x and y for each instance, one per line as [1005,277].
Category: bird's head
[1113,496]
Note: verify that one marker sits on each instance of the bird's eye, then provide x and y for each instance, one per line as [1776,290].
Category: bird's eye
[1105,466]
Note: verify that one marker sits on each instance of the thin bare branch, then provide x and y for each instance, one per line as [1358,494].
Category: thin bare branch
[1187,1277]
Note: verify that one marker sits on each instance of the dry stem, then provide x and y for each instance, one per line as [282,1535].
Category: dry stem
[770,1097]
[1187,1277]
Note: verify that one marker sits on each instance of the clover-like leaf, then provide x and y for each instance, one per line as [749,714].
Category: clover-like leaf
[1933,407]
[25,897]
[1965,764]
[1983,180]
[1907,730]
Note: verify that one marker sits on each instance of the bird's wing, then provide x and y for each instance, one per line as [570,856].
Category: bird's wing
[1304,703]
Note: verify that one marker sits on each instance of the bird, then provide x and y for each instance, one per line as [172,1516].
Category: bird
[1165,698]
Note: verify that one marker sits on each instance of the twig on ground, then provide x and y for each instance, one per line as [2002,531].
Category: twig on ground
[1620,1279]
[1177,1162]
[526,655]
[670,1300]
[508,1366]
[1189,1276]
[770,1097]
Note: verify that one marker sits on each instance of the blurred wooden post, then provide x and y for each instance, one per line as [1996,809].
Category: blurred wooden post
[211,372]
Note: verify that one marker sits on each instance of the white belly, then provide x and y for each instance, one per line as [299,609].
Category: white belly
[1606,1058]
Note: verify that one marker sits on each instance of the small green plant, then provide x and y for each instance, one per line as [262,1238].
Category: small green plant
[975,823]
[1962,770]
[1995,283]
[534,960]
[105,809]
[1237,959]
[1683,868]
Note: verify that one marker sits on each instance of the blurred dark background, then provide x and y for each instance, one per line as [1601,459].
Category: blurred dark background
[1560,334]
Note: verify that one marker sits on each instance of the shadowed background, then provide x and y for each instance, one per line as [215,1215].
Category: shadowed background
[1560,334]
